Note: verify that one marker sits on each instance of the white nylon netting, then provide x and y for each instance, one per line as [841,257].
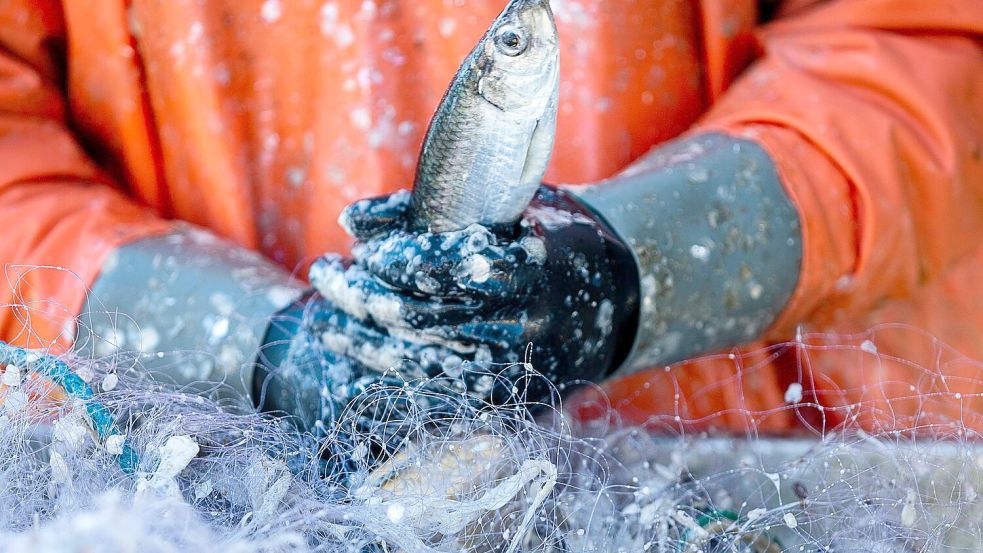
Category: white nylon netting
[895,468]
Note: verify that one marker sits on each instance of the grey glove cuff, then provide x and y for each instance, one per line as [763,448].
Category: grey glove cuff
[717,241]
[193,309]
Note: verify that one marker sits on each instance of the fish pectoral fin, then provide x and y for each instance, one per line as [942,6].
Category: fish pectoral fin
[541,141]
[540,148]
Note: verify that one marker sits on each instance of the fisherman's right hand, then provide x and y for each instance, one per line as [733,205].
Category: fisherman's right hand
[342,380]
[316,358]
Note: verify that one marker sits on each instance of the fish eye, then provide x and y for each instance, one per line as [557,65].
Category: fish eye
[510,41]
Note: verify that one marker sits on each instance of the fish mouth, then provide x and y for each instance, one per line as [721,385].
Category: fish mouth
[526,80]
[542,14]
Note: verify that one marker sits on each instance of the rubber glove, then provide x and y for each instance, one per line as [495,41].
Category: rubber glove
[347,406]
[695,247]
[560,282]
[200,313]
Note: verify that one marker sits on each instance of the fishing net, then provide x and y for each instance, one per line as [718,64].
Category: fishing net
[125,462]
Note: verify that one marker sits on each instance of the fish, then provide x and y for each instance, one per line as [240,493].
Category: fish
[490,139]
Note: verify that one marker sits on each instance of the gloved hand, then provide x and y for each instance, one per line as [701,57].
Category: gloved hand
[311,368]
[559,281]
[715,236]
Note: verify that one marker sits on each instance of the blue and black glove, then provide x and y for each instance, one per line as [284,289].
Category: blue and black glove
[714,256]
[695,247]
[559,282]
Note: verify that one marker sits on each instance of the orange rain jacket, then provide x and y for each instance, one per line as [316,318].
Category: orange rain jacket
[261,119]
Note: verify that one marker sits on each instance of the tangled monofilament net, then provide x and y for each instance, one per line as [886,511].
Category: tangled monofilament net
[466,475]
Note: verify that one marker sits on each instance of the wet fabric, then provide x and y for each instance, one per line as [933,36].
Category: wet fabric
[260,120]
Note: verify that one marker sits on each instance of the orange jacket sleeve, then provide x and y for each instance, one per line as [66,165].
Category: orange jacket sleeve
[58,210]
[873,113]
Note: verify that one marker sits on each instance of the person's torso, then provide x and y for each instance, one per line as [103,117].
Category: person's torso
[261,119]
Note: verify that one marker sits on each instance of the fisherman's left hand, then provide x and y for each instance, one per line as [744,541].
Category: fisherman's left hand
[560,281]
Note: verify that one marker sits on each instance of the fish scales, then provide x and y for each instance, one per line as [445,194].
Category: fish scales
[490,139]
[489,167]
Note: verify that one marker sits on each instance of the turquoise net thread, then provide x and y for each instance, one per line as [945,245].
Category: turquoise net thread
[61,374]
